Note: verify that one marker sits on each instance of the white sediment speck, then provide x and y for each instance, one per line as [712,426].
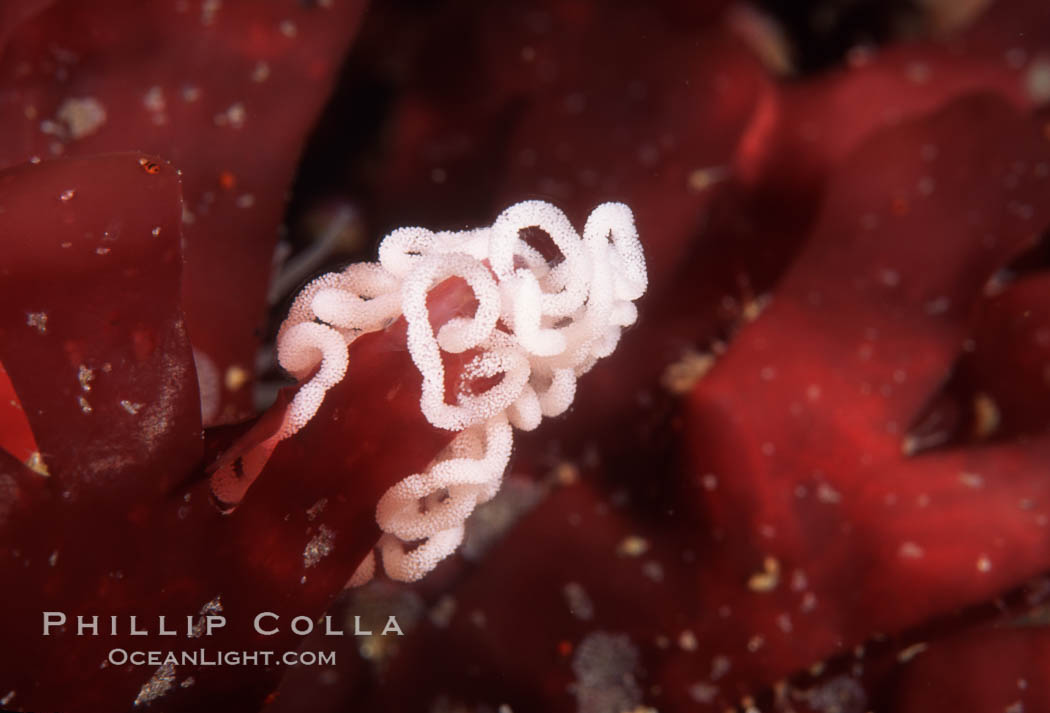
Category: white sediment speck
[319,546]
[82,116]
[37,320]
[580,604]
[160,683]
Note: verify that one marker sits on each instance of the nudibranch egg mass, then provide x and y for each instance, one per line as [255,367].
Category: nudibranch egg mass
[538,325]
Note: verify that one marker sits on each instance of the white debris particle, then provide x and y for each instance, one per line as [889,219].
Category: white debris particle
[632,546]
[809,602]
[289,29]
[753,309]
[53,559]
[937,306]
[37,320]
[755,643]
[799,581]
[210,608]
[84,376]
[889,278]
[130,406]
[35,462]
[768,578]
[477,618]
[1015,707]
[82,116]
[235,377]
[827,494]
[987,416]
[701,179]
[565,473]
[442,612]
[48,126]
[316,509]
[8,697]
[842,694]
[155,232]
[233,117]
[84,405]
[681,376]
[907,654]
[580,604]
[189,681]
[784,623]
[319,546]
[67,195]
[605,665]
[971,480]
[709,481]
[984,564]
[261,72]
[102,251]
[720,666]
[653,570]
[190,94]
[687,641]
[1037,81]
[246,200]
[910,550]
[209,9]
[161,682]
[156,105]
[703,692]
